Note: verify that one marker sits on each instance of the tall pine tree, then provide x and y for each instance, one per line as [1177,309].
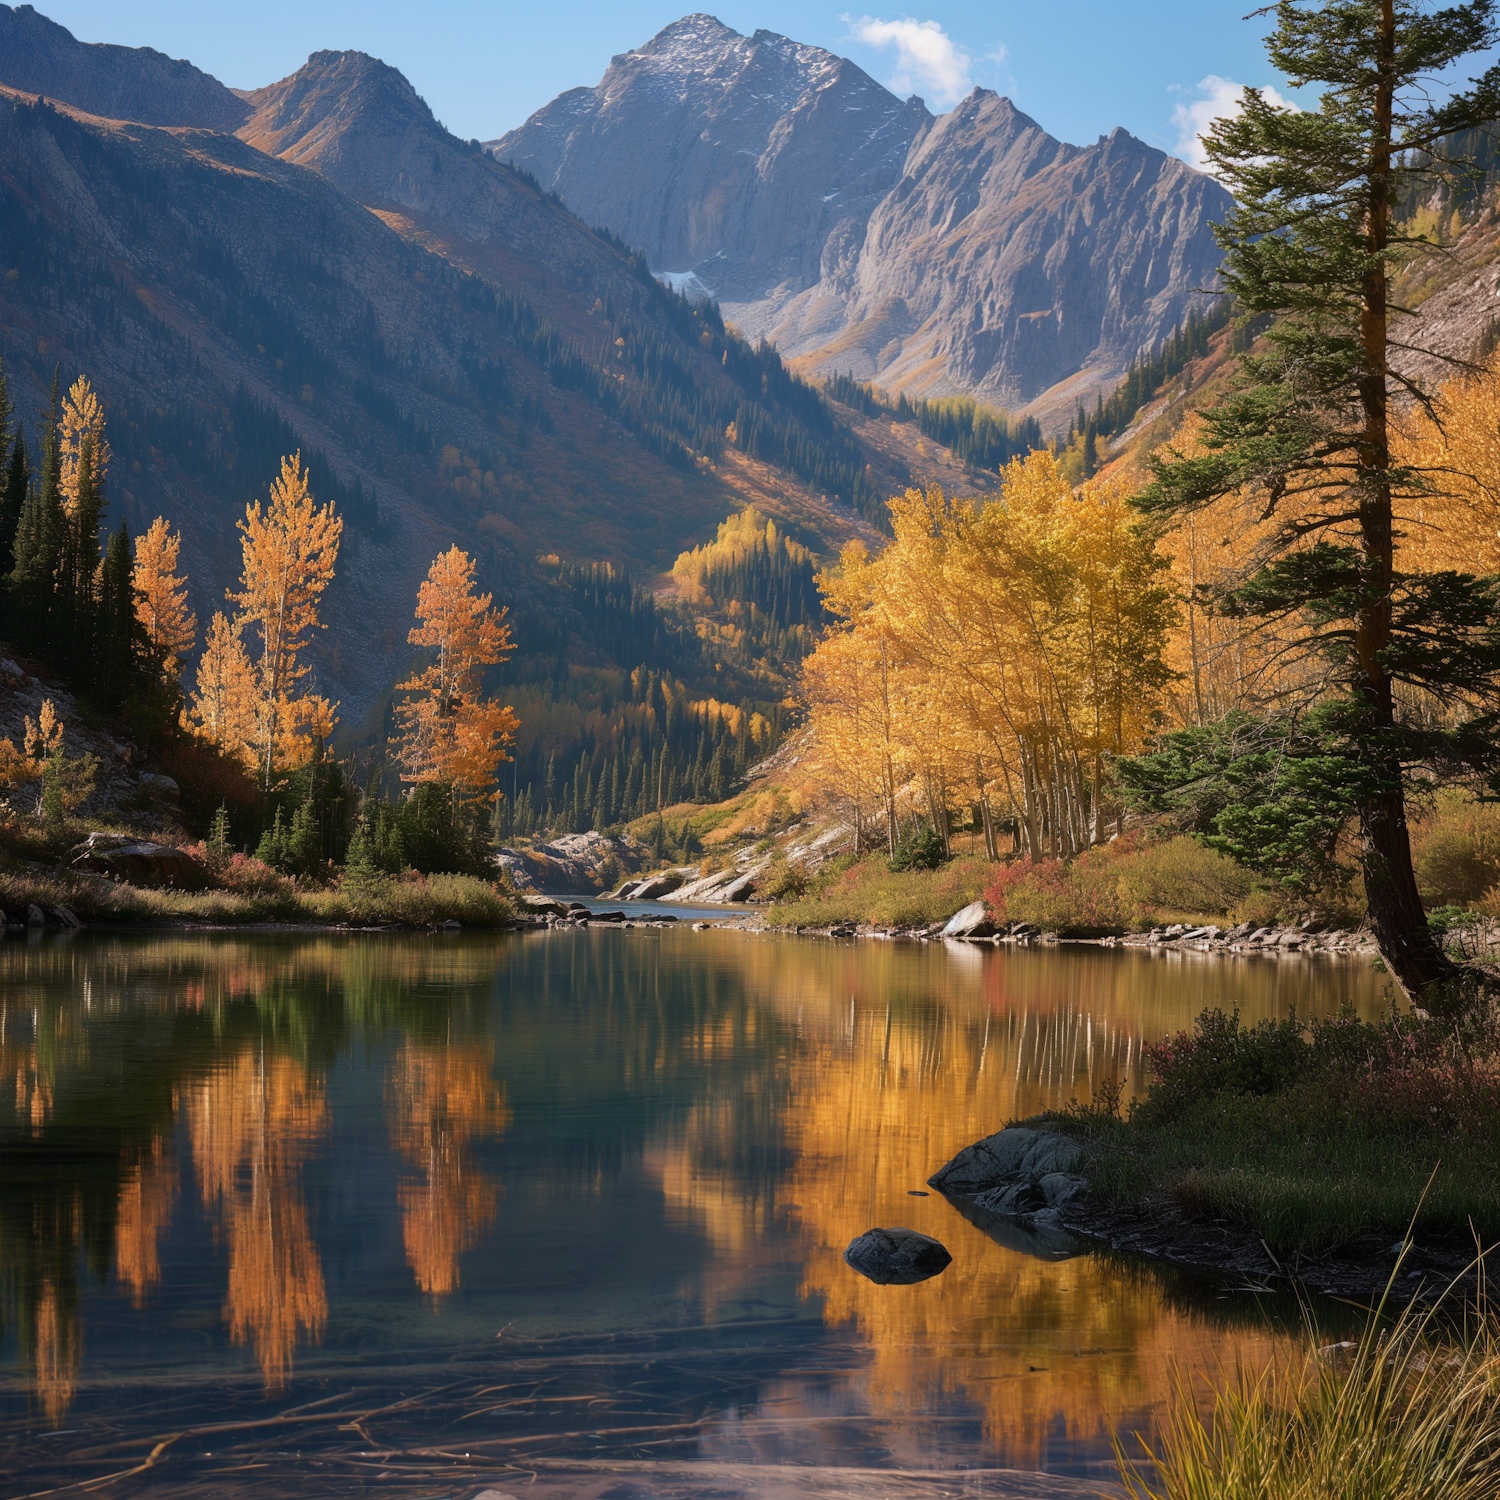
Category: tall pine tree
[121,637]
[14,485]
[1413,658]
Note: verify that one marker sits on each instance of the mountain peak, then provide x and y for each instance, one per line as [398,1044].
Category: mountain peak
[38,56]
[303,114]
[697,26]
[777,143]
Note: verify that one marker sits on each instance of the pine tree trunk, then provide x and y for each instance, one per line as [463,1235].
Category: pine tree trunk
[1396,915]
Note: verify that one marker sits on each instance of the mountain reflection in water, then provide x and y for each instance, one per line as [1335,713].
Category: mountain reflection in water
[273,1170]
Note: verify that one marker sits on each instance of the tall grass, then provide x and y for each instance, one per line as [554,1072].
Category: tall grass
[1410,1412]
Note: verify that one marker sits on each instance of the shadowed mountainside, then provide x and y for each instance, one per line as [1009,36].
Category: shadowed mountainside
[122,83]
[465,361]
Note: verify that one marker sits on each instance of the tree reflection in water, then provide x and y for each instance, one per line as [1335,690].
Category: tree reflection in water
[685,1127]
[441,1098]
[253,1122]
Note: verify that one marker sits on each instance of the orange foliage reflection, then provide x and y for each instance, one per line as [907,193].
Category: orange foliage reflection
[55,1335]
[252,1123]
[441,1098]
[898,1063]
[147,1197]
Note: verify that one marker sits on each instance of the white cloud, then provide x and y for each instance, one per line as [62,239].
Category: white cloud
[928,61]
[1219,99]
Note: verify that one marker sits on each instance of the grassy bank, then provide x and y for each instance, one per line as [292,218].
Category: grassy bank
[868,891]
[1133,883]
[411,901]
[1310,1136]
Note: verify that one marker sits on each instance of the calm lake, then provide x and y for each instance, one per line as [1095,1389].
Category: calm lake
[420,1216]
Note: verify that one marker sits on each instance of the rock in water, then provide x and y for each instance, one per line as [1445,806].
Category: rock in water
[897,1257]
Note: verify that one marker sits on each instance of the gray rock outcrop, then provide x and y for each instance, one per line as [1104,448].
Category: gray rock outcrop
[569,864]
[1018,1173]
[973,921]
[138,861]
[653,887]
[897,1257]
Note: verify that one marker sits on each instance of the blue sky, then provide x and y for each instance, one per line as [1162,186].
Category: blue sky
[1079,67]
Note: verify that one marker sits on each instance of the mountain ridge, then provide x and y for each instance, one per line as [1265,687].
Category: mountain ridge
[112,82]
[991,260]
[179,267]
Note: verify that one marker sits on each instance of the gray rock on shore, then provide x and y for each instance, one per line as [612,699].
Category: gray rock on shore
[138,861]
[897,1257]
[1017,1173]
[972,922]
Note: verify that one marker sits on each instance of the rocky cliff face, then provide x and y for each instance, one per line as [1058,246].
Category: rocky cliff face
[746,161]
[1013,267]
[123,83]
[972,253]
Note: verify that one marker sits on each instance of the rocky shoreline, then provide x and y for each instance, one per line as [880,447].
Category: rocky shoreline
[1307,937]
[1022,1187]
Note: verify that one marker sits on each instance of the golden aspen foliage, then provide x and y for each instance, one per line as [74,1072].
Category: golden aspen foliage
[998,652]
[81,414]
[450,732]
[44,734]
[161,597]
[288,549]
[1456,448]
[222,705]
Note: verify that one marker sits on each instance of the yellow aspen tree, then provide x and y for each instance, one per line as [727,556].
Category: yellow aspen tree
[222,705]
[81,414]
[161,597]
[289,549]
[1014,642]
[451,732]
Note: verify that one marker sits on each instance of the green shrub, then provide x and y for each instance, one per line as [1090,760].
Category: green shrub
[784,881]
[424,831]
[1131,883]
[1222,1057]
[263,896]
[922,851]
[1181,875]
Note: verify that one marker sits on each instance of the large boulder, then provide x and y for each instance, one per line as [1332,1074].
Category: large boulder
[972,922]
[654,887]
[138,861]
[897,1257]
[532,905]
[1018,1175]
[1007,1157]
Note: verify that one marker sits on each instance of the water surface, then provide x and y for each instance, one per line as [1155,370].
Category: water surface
[404,1213]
